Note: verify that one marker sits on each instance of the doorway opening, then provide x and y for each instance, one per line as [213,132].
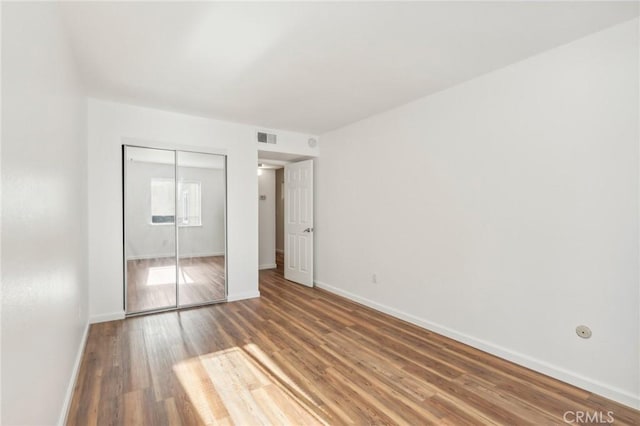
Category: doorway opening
[280,220]
[271,216]
[267,207]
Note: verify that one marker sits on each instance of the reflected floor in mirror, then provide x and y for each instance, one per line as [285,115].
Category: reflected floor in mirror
[151,282]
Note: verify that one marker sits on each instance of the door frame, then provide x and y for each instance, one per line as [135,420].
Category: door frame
[283,163]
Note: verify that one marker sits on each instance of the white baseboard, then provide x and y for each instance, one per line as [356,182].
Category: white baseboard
[113,316]
[170,255]
[559,373]
[243,296]
[268,266]
[62,419]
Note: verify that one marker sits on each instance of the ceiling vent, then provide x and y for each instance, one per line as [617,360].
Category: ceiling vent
[266,138]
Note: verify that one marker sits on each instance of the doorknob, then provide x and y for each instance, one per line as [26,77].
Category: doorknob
[308,230]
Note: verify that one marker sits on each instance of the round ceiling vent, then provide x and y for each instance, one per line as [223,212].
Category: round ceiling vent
[313,142]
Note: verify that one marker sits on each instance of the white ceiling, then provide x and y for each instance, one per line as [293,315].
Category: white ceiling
[311,67]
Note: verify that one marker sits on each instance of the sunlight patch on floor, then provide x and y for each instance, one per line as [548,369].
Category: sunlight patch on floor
[200,391]
[162,275]
[271,366]
[229,386]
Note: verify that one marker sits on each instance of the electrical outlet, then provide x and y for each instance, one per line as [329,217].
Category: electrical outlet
[374,279]
[583,331]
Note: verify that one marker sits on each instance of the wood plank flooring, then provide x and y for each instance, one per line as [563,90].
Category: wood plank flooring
[151,282]
[304,356]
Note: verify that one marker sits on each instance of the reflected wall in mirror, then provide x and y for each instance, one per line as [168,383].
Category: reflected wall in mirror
[175,239]
[201,228]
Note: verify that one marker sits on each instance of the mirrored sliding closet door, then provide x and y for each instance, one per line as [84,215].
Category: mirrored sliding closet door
[175,229]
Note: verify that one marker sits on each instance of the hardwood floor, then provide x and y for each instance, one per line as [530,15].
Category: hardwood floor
[151,282]
[304,356]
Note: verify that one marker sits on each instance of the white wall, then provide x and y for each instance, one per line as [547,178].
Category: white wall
[44,209]
[502,212]
[1,133]
[146,240]
[111,125]
[267,219]
[288,143]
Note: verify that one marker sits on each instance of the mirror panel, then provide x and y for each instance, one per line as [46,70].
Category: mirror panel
[150,237]
[201,201]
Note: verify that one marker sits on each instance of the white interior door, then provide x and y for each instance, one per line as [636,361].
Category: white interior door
[298,222]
